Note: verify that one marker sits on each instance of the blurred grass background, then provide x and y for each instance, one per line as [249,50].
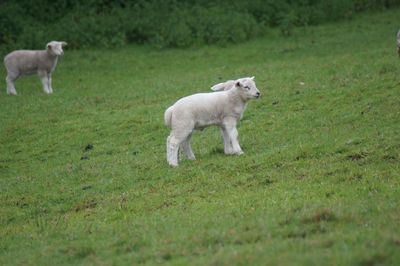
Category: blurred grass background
[27,24]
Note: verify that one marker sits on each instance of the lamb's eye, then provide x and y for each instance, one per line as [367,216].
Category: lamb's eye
[247,87]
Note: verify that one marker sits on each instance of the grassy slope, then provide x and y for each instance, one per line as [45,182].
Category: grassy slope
[318,184]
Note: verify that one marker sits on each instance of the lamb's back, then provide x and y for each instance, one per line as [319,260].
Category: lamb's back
[200,101]
[26,61]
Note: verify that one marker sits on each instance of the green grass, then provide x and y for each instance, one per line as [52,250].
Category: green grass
[318,183]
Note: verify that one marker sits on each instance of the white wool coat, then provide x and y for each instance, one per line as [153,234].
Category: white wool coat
[205,109]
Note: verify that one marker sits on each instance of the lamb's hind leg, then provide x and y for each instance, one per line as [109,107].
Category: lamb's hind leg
[10,79]
[187,148]
[172,150]
[174,141]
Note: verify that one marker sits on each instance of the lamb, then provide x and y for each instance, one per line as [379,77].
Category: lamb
[28,62]
[398,43]
[197,111]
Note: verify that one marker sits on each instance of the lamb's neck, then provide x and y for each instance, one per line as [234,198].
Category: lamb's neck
[236,97]
[51,56]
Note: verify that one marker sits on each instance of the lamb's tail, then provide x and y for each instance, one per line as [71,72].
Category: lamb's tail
[224,86]
[168,116]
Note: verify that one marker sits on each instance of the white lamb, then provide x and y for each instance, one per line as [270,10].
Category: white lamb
[222,108]
[27,62]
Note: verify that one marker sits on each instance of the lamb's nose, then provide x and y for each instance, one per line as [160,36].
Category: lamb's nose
[258,94]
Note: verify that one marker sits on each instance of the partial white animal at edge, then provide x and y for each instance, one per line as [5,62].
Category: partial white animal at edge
[197,111]
[398,43]
[28,62]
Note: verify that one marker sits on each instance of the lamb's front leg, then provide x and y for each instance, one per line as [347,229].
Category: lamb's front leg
[227,142]
[49,83]
[233,137]
[229,124]
[45,81]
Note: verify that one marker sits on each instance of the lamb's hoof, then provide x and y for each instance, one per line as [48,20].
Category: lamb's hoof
[228,152]
[234,153]
[173,164]
[11,93]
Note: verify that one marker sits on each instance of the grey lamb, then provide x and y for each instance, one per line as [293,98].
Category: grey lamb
[27,62]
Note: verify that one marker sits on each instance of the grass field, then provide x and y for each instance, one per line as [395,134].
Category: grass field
[318,183]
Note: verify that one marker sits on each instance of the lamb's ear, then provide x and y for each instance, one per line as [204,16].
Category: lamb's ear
[64,44]
[238,84]
[48,46]
[218,87]
[252,78]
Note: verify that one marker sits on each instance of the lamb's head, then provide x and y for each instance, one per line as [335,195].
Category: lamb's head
[56,48]
[247,88]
